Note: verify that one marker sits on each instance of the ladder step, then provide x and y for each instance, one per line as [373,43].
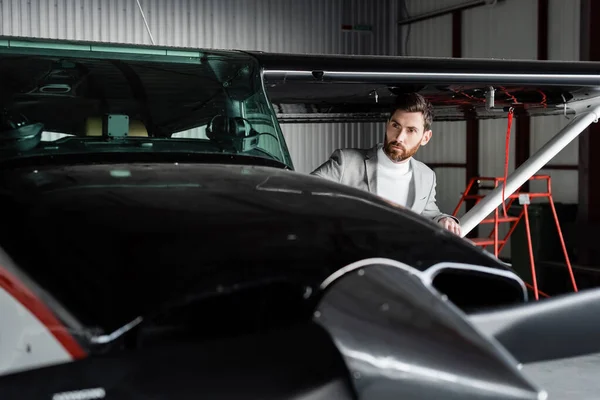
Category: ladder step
[500,219]
[487,187]
[486,241]
[513,196]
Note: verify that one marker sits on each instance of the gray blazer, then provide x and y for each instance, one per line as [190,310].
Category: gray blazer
[358,168]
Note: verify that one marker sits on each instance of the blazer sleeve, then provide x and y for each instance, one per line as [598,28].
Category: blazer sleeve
[333,168]
[432,210]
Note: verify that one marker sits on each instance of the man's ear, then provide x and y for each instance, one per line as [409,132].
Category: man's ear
[426,137]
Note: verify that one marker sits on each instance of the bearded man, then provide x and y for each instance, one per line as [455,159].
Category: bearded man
[389,169]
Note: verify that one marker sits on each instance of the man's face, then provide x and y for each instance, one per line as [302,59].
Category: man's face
[404,134]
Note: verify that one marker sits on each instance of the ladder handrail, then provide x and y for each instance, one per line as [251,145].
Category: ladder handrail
[500,243]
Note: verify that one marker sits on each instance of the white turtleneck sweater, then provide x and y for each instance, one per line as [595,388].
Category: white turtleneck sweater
[394,180]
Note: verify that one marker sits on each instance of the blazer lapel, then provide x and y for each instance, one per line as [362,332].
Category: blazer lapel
[420,190]
[371,169]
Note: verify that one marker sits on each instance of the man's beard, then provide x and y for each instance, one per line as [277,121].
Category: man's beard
[399,154]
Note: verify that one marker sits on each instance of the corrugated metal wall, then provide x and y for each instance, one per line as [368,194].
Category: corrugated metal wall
[298,26]
[507,29]
[271,25]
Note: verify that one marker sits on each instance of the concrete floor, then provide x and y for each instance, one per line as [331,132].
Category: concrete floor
[568,379]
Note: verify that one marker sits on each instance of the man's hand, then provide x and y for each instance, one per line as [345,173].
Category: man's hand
[451,225]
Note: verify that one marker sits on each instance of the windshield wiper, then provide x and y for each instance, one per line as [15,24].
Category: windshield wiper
[104,339]
[264,152]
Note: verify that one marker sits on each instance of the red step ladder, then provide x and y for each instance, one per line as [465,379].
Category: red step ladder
[493,238]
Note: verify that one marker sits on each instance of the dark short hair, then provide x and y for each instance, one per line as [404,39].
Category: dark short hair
[414,102]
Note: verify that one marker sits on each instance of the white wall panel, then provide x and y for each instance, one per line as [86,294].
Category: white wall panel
[416,7]
[432,37]
[505,30]
[564,186]
[492,145]
[565,183]
[543,129]
[563,29]
[312,144]
[450,184]
[447,144]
